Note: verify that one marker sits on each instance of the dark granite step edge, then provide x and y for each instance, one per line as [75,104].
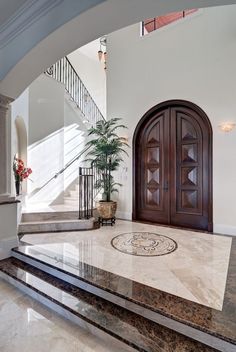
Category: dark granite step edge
[152,313]
[52,304]
[149,330]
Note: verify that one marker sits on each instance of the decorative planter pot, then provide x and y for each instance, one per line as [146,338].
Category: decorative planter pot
[106,210]
[18,187]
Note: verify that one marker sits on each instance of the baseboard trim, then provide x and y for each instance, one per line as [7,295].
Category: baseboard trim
[124,215]
[220,229]
[225,229]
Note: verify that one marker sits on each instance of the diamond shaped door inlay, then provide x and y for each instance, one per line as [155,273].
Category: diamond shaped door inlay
[152,166]
[153,175]
[152,186]
[154,135]
[189,199]
[189,176]
[153,197]
[189,153]
[188,130]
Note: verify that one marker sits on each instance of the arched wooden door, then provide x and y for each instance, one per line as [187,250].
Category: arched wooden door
[173,166]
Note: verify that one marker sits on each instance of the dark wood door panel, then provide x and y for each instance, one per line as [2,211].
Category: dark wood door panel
[173,167]
[153,169]
[188,142]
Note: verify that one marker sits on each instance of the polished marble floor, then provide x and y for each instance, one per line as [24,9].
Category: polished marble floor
[196,270]
[26,325]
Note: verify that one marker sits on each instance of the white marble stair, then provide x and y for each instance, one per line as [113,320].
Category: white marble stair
[56,225]
[53,222]
[71,196]
[49,216]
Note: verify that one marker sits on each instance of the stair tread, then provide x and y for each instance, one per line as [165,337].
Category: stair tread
[134,330]
[53,212]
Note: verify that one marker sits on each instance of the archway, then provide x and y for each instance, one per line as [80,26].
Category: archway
[45,44]
[172,175]
[22,144]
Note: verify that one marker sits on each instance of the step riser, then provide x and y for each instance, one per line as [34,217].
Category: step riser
[186,330]
[74,194]
[72,202]
[50,216]
[53,228]
[67,314]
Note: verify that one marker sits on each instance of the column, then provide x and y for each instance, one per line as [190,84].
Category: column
[8,205]
[4,112]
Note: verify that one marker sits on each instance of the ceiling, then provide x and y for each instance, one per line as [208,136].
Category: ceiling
[8,8]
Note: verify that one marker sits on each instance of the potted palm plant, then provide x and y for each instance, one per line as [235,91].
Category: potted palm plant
[105,154]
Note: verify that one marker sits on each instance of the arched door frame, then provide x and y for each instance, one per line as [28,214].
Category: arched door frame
[146,117]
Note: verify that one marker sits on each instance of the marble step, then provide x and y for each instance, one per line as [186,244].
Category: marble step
[74,194]
[73,201]
[56,225]
[49,216]
[180,315]
[99,316]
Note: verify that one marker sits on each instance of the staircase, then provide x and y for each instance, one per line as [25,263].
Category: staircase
[83,295]
[65,210]
[71,196]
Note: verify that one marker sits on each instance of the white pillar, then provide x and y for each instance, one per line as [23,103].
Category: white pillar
[9,206]
[4,167]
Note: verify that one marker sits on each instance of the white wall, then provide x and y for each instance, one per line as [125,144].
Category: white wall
[56,134]
[91,71]
[46,136]
[192,59]
[19,110]
[75,134]
[46,108]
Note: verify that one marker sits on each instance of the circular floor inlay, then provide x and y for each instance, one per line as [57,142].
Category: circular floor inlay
[143,244]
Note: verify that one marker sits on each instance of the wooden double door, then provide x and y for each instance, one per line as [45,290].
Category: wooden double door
[172,167]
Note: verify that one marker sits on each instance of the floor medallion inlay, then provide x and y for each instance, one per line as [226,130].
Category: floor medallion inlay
[144,244]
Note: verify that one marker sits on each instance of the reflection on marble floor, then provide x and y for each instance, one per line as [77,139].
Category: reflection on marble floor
[196,271]
[27,326]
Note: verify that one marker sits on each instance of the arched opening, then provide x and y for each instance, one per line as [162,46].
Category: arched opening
[22,144]
[172,175]
[49,43]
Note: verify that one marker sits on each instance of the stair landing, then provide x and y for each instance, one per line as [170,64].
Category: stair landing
[54,221]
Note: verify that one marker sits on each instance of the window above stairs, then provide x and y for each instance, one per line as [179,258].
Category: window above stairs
[152,24]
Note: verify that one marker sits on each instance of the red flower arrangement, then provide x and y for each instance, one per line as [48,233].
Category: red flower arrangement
[20,171]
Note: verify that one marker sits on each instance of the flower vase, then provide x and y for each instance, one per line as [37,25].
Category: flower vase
[18,186]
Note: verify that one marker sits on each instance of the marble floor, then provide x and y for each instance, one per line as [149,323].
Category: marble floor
[26,325]
[194,265]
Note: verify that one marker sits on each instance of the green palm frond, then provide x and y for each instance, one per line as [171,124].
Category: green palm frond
[106,150]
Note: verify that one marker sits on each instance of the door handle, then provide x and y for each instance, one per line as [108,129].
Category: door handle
[166,185]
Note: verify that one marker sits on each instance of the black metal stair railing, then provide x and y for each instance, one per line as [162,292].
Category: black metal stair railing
[85,192]
[64,72]
[88,177]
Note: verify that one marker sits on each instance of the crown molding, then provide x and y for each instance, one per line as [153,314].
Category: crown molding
[29,13]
